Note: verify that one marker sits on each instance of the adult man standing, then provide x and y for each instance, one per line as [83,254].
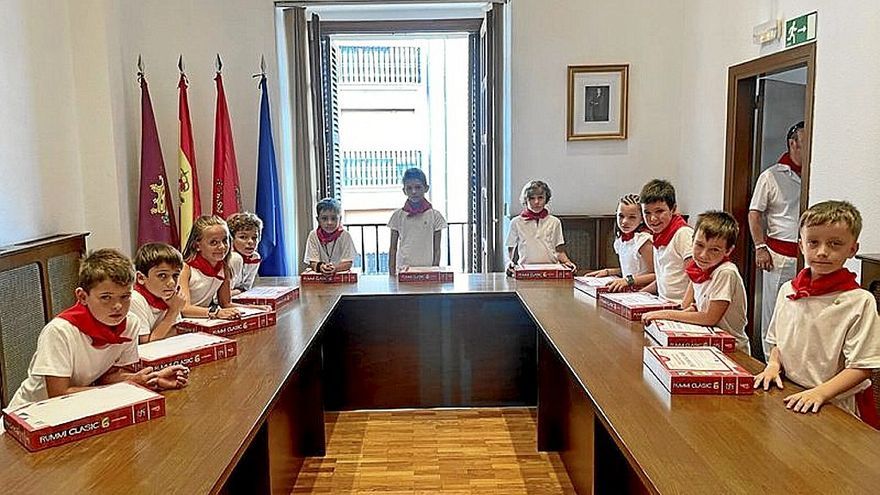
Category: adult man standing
[773,223]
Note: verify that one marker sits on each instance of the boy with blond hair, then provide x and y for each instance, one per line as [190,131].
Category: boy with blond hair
[91,342]
[825,333]
[716,295]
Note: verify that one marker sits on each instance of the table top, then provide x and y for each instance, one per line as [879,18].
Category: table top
[750,443]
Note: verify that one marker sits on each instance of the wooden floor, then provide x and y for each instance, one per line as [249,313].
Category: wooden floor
[486,451]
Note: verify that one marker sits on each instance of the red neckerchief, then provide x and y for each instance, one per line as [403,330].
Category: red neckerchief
[152,299]
[530,215]
[805,286]
[79,316]
[326,238]
[201,264]
[252,259]
[665,237]
[627,236]
[416,209]
[697,274]
[785,159]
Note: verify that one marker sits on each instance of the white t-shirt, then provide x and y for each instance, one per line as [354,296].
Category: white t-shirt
[535,241]
[672,281]
[416,244]
[243,274]
[202,288]
[778,196]
[342,249]
[631,261]
[144,315]
[64,351]
[820,336]
[726,285]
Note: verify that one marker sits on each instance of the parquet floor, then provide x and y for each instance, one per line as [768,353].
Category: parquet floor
[465,451]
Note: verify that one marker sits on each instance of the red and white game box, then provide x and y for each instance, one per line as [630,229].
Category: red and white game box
[188,349]
[632,305]
[267,296]
[545,271]
[68,418]
[310,277]
[697,370]
[425,274]
[678,334]
[593,286]
[251,319]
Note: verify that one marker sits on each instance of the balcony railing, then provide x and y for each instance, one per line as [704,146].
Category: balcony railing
[372,241]
[377,167]
[380,65]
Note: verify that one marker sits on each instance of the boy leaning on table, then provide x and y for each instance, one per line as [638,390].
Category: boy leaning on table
[825,332]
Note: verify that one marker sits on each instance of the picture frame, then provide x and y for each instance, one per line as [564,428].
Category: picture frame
[597,102]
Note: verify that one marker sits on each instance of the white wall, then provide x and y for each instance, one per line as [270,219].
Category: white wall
[39,151]
[548,35]
[846,129]
[70,126]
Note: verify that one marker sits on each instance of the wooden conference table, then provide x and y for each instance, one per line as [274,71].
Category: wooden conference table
[245,424]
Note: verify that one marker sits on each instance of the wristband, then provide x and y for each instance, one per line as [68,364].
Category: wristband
[760,246]
[630,280]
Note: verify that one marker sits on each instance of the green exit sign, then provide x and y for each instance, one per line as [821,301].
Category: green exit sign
[800,29]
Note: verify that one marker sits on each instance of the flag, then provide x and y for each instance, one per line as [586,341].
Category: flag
[156,211]
[226,197]
[188,184]
[272,248]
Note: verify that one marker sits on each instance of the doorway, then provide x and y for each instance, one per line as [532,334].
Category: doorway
[765,97]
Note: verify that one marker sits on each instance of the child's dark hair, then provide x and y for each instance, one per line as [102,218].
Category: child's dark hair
[718,224]
[532,187]
[153,254]
[331,204]
[630,199]
[105,264]
[658,190]
[244,220]
[415,174]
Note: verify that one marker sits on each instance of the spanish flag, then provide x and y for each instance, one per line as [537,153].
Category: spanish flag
[188,183]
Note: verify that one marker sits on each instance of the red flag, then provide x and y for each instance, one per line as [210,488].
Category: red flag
[156,213]
[188,184]
[227,195]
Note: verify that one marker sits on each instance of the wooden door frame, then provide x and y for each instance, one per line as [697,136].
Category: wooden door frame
[741,85]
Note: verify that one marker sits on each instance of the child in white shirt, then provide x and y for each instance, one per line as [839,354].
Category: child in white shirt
[244,261]
[89,343]
[156,301]
[716,295]
[329,248]
[634,248]
[535,235]
[205,281]
[672,238]
[417,228]
[825,333]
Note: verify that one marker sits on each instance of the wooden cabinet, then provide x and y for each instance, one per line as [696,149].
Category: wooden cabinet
[37,280]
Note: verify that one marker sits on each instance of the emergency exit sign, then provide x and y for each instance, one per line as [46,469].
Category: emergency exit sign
[800,29]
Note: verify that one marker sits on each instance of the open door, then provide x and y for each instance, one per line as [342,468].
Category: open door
[760,109]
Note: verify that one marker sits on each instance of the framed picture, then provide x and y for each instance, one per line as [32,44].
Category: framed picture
[597,102]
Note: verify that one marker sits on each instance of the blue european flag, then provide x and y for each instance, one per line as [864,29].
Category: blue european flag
[272,248]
